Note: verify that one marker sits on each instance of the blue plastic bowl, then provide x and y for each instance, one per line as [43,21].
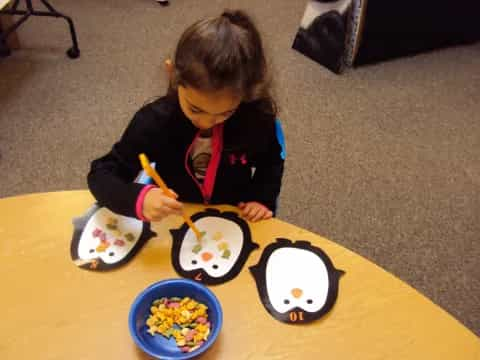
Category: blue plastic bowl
[158,346]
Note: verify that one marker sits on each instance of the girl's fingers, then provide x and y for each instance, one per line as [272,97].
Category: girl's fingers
[156,218]
[163,211]
[174,193]
[246,210]
[172,204]
[262,213]
[157,215]
[254,210]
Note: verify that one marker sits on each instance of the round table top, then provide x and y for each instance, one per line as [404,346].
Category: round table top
[55,310]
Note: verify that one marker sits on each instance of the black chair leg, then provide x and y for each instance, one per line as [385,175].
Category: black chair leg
[4,49]
[74,51]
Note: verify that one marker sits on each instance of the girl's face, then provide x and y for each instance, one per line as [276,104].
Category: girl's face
[205,109]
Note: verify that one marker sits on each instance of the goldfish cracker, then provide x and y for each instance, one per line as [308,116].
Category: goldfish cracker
[202,327]
[150,321]
[191,305]
[181,343]
[198,337]
[184,300]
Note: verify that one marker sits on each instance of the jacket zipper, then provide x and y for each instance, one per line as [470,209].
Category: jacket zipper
[188,168]
[217,146]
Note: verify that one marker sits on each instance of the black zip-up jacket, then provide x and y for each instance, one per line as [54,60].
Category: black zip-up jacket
[250,166]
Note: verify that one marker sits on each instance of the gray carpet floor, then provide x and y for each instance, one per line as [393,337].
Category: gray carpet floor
[383,160]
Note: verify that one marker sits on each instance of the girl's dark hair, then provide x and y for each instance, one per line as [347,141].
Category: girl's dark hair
[224,52]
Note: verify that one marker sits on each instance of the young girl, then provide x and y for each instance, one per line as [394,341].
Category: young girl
[212,137]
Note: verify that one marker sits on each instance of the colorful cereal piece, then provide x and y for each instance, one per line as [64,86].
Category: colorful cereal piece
[119,242]
[191,305]
[158,302]
[190,316]
[111,227]
[186,314]
[223,246]
[217,236]
[117,232]
[129,237]
[96,232]
[112,220]
[197,248]
[194,348]
[168,333]
[185,300]
[103,236]
[173,305]
[226,254]
[188,337]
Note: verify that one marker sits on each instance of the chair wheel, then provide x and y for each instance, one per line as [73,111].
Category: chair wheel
[73,53]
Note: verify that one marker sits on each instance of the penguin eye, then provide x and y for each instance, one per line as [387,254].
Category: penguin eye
[309,301]
[194,262]
[286,301]
[215,266]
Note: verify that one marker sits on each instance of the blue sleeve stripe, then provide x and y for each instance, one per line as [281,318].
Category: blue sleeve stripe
[280,138]
[143,178]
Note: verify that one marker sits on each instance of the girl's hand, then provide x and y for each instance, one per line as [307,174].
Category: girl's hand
[254,211]
[157,205]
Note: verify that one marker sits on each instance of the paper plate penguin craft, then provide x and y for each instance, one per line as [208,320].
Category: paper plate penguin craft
[221,252]
[103,240]
[297,282]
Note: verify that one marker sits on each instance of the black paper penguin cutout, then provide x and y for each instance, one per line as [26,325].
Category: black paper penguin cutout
[297,282]
[103,240]
[220,254]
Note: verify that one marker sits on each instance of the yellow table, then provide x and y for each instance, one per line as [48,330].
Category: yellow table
[53,310]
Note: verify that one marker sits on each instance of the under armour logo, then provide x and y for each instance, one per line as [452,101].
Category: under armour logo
[234,159]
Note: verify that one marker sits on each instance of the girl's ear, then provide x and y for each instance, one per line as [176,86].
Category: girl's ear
[169,68]
[170,71]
